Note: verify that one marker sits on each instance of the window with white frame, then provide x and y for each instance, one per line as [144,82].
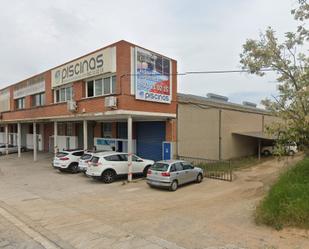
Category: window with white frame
[63,94]
[20,103]
[38,99]
[101,86]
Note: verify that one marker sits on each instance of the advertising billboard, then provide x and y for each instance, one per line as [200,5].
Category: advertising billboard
[103,61]
[152,81]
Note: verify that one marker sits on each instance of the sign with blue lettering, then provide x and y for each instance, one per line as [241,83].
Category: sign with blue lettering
[153,81]
[167,151]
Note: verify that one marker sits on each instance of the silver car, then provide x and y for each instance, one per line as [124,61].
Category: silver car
[11,149]
[172,173]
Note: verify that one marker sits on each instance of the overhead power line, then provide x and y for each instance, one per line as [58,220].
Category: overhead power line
[200,72]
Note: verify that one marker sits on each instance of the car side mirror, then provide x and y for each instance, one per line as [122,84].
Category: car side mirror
[139,160]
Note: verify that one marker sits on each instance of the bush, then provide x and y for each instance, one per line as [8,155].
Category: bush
[287,203]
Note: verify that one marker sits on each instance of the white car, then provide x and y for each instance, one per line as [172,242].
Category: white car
[67,160]
[106,166]
[290,149]
[11,149]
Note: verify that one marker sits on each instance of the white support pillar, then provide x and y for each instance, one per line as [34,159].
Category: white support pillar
[35,145]
[85,126]
[7,139]
[130,148]
[55,137]
[19,139]
[42,136]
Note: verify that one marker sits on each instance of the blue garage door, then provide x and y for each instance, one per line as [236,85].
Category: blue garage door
[149,136]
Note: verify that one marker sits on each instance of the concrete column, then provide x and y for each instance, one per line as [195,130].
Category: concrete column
[85,126]
[42,135]
[259,149]
[19,139]
[35,145]
[130,148]
[7,139]
[55,137]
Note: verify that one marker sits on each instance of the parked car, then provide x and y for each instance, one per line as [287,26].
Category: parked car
[85,159]
[291,149]
[11,149]
[173,173]
[67,160]
[107,166]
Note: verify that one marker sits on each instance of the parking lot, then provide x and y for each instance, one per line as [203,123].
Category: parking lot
[43,208]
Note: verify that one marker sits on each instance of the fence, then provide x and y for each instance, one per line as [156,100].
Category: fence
[216,169]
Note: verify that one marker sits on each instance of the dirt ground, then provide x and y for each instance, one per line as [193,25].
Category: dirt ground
[42,208]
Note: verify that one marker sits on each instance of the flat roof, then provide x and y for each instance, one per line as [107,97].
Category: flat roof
[256,134]
[195,99]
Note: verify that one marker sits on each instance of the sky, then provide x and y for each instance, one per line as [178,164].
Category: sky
[202,35]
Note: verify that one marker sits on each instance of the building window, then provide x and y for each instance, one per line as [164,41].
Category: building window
[101,87]
[90,90]
[20,103]
[107,130]
[38,99]
[63,94]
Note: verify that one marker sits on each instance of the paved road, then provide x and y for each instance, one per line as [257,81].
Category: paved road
[53,210]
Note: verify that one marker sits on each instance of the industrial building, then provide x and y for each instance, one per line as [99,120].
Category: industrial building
[213,128]
[120,97]
[124,97]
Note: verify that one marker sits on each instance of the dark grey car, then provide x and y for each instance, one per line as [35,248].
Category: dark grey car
[172,173]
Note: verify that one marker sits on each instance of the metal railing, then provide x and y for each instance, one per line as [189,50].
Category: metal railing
[216,169]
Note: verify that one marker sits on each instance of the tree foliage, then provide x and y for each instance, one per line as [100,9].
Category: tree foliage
[289,59]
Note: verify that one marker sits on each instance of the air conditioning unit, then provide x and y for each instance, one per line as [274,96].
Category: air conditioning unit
[72,107]
[111,102]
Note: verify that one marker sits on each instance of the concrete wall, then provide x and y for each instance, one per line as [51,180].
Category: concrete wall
[198,132]
[234,146]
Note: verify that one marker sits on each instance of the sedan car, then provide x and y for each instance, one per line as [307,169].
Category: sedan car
[173,173]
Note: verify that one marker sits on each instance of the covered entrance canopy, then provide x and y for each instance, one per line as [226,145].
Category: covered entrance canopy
[259,135]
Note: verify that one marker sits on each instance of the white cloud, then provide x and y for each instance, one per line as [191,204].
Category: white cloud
[200,35]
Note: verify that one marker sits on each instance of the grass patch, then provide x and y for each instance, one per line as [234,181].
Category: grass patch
[287,203]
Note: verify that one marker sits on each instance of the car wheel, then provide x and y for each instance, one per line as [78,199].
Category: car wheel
[74,167]
[108,176]
[199,178]
[291,153]
[174,186]
[146,170]
[266,153]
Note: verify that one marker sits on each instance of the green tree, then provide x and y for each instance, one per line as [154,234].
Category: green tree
[289,59]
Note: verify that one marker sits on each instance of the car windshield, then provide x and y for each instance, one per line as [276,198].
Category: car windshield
[85,157]
[61,154]
[160,167]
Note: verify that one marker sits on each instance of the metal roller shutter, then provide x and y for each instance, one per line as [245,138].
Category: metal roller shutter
[150,136]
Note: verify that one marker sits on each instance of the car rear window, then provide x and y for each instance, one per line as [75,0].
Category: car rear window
[160,167]
[95,159]
[78,153]
[61,154]
[86,157]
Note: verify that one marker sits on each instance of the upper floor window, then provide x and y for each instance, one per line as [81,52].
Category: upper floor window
[63,94]
[101,86]
[38,99]
[20,103]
